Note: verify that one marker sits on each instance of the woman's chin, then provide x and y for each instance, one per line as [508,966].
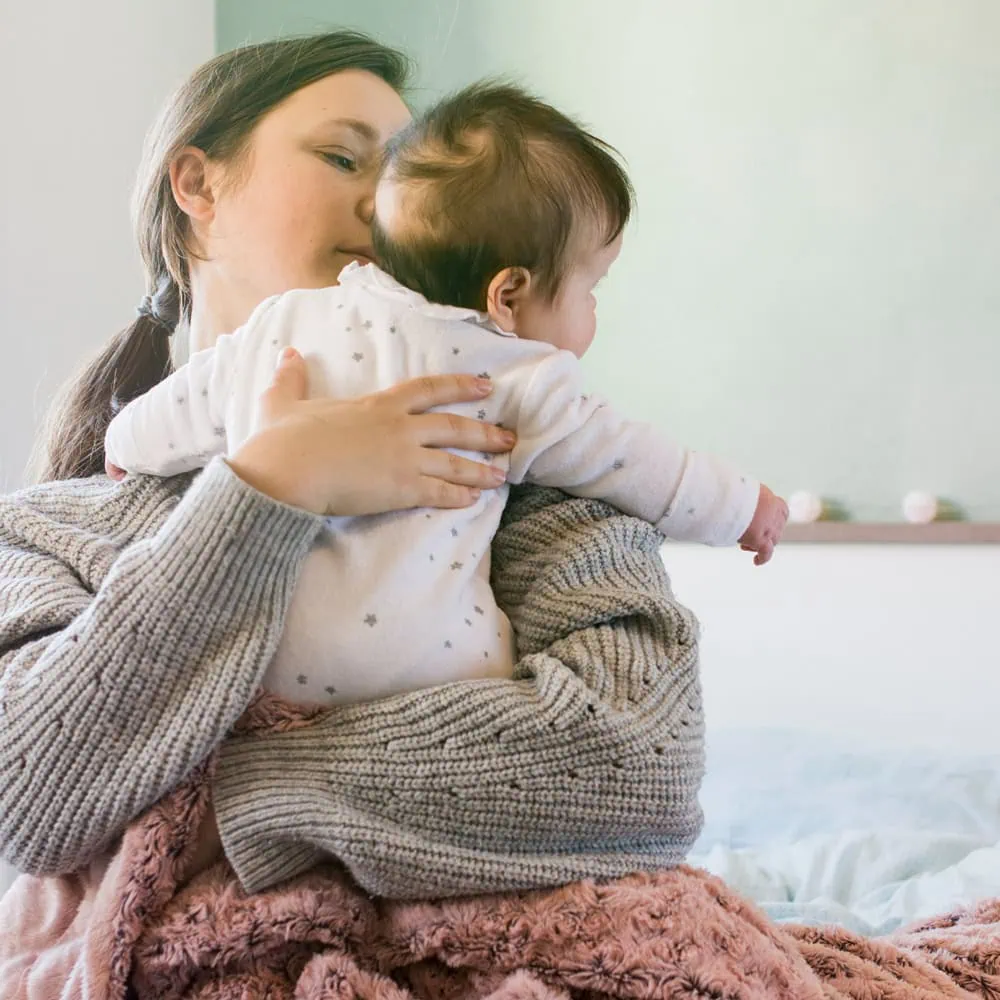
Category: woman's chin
[324,277]
[328,273]
[358,258]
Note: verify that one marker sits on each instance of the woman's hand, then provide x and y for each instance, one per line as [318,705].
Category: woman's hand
[369,455]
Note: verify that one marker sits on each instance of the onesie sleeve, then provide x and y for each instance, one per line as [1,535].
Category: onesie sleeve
[577,442]
[179,425]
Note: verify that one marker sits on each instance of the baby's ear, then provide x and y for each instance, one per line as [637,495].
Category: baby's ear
[505,296]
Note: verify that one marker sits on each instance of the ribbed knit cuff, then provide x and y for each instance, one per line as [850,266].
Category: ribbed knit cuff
[218,495]
[265,797]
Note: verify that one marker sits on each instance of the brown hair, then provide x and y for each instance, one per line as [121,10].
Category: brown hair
[490,178]
[216,110]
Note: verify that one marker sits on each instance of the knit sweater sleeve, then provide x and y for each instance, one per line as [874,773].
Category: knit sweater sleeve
[586,764]
[135,626]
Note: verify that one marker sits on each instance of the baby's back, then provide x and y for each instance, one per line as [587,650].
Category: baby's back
[397,601]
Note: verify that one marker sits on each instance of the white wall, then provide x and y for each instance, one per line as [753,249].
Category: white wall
[883,645]
[79,85]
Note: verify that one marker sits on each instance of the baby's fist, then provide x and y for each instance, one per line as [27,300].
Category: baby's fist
[113,472]
[765,529]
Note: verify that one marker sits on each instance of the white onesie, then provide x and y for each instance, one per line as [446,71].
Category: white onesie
[402,601]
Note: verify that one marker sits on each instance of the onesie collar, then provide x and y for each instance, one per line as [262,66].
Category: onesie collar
[373,278]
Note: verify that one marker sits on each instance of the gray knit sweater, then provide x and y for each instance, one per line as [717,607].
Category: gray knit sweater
[136,622]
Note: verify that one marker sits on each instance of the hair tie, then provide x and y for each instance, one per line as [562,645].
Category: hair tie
[147,312]
[153,307]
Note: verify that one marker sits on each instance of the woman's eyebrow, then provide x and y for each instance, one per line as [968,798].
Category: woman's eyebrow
[361,128]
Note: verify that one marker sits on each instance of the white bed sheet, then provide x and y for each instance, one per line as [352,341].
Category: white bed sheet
[870,839]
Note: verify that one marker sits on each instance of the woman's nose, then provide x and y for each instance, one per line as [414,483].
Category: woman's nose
[366,207]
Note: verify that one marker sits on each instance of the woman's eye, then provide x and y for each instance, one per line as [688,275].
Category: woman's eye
[342,161]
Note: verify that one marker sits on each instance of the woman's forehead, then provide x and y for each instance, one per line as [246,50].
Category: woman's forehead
[353,99]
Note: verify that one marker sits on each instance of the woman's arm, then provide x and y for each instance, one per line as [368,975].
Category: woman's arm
[135,625]
[122,668]
[587,764]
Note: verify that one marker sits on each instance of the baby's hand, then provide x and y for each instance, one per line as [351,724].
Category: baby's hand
[766,527]
[113,471]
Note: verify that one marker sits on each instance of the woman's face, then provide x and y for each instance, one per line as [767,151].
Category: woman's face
[297,209]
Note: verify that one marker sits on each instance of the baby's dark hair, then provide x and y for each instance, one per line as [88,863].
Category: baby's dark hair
[491,178]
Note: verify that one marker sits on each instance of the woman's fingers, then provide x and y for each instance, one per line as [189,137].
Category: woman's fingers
[461,471]
[373,454]
[448,430]
[433,492]
[289,384]
[420,394]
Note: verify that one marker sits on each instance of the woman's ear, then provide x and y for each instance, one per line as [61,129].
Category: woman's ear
[506,296]
[191,183]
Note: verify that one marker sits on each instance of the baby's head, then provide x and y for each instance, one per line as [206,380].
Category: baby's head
[497,202]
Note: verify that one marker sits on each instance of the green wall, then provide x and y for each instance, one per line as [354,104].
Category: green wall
[810,284]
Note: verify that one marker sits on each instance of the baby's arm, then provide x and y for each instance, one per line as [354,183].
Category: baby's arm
[580,444]
[179,424]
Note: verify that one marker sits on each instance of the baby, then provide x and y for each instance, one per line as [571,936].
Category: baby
[495,218]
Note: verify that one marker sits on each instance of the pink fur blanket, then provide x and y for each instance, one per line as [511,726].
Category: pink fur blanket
[125,926]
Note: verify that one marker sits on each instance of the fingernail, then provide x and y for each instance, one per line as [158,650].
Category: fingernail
[498,474]
[484,386]
[475,494]
[508,437]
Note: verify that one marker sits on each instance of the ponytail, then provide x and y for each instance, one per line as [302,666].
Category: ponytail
[71,444]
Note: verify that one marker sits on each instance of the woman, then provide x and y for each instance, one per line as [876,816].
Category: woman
[137,618]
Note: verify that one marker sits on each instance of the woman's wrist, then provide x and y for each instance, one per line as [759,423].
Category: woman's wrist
[257,465]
